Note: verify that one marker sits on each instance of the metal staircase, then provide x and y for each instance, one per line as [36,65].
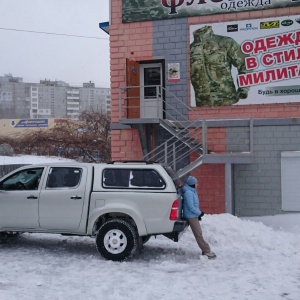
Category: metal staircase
[181,135]
[184,149]
[185,138]
[188,139]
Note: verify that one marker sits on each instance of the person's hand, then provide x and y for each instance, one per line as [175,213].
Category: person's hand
[200,216]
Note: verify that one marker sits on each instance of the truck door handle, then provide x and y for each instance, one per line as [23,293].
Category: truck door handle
[76,197]
[32,197]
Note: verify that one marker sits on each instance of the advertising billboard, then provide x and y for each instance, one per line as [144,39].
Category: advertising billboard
[245,62]
[145,10]
[29,123]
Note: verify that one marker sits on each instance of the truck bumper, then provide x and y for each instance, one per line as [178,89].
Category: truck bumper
[178,230]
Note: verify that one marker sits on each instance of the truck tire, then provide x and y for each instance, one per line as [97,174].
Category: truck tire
[145,239]
[5,236]
[117,240]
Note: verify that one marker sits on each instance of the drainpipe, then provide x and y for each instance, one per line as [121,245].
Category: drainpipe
[229,205]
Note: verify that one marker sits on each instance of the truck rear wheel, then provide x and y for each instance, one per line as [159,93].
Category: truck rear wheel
[117,240]
[4,236]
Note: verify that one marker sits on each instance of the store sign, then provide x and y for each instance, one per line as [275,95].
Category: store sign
[29,123]
[245,62]
[173,72]
[143,10]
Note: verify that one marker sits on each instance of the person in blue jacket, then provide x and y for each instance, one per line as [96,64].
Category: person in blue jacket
[193,214]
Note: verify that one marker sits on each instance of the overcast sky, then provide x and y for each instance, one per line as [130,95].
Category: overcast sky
[35,56]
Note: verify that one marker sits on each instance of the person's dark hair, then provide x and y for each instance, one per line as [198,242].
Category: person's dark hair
[193,186]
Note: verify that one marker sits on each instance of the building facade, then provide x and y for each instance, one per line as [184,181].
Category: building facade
[49,99]
[211,88]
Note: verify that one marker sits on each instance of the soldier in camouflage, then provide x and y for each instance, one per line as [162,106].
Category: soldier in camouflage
[212,57]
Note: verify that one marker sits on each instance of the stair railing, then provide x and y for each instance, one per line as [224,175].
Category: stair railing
[185,127]
[170,152]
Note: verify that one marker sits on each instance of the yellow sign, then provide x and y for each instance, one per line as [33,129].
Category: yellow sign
[269,25]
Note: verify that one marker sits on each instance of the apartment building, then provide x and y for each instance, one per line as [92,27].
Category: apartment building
[49,99]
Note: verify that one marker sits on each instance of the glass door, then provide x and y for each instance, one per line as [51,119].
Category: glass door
[151,92]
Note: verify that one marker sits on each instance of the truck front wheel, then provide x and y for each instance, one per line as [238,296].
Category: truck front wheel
[117,240]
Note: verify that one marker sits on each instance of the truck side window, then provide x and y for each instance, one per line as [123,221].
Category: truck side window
[71,179]
[132,179]
[60,177]
[28,179]
[51,182]
[152,179]
[116,178]
[137,178]
[146,178]
[109,178]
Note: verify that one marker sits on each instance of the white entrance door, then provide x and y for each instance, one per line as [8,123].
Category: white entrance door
[151,90]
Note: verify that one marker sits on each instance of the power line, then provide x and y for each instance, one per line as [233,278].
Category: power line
[53,33]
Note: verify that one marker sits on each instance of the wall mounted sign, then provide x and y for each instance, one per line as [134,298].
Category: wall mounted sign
[29,123]
[143,10]
[173,72]
[245,62]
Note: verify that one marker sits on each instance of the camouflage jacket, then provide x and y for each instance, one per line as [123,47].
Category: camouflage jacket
[211,59]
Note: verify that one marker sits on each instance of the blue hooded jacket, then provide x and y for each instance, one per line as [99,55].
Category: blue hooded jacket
[190,203]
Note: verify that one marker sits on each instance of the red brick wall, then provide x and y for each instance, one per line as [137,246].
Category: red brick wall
[133,40]
[126,144]
[130,40]
[211,177]
[211,187]
[258,111]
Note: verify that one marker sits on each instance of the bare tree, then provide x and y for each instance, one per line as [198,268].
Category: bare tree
[87,139]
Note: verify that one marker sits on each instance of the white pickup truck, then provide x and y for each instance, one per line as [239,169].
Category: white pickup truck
[122,204]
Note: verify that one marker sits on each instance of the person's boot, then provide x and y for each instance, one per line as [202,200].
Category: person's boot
[210,255]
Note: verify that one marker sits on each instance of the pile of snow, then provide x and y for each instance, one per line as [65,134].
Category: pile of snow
[285,222]
[29,159]
[254,262]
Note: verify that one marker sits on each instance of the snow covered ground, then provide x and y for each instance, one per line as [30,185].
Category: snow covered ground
[255,262]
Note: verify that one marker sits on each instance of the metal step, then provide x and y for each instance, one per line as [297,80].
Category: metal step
[170,126]
[187,169]
[182,135]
